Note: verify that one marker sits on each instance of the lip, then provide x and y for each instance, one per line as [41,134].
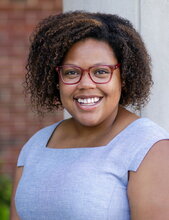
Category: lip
[87,106]
[87,96]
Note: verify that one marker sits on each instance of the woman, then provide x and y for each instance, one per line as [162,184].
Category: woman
[104,162]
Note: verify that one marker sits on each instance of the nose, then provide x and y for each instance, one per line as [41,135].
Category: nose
[86,82]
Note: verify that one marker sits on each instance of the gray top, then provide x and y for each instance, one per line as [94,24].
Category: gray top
[82,183]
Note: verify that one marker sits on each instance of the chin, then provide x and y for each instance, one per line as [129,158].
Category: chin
[88,122]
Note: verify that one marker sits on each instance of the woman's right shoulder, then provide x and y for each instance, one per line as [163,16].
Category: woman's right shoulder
[40,138]
[42,134]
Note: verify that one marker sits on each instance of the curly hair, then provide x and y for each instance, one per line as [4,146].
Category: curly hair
[55,35]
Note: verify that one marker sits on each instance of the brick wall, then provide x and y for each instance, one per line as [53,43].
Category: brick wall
[17,122]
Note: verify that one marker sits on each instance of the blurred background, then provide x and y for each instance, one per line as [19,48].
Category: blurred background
[17,121]
[17,20]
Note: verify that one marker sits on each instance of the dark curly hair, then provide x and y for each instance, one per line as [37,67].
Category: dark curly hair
[54,36]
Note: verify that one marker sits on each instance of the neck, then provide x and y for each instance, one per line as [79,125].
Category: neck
[103,128]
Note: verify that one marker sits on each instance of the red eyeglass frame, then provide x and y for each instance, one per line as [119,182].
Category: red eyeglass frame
[112,67]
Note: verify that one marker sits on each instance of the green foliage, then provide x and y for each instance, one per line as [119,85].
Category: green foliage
[5,196]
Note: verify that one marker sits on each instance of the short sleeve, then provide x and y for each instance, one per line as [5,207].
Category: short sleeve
[142,152]
[139,157]
[37,138]
[24,153]
[40,138]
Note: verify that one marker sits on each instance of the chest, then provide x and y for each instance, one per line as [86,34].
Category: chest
[75,185]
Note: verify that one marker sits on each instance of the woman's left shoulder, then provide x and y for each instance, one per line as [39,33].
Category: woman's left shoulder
[157,158]
[148,190]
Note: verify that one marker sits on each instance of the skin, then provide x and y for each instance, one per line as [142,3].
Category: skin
[13,213]
[148,188]
[96,125]
[85,54]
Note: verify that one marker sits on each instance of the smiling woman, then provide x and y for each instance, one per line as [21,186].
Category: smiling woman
[77,98]
[91,165]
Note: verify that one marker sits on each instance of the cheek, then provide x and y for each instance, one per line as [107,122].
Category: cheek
[116,85]
[66,92]
[113,88]
[63,96]
[62,93]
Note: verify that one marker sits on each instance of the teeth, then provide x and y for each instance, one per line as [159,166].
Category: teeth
[96,99]
[88,100]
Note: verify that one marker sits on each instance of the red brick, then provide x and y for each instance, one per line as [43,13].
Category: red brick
[18,123]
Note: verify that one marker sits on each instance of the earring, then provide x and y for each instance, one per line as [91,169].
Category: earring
[57,86]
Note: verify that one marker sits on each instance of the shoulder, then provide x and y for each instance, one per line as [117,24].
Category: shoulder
[44,133]
[40,138]
[143,135]
[149,128]
[156,161]
[156,158]
[148,186]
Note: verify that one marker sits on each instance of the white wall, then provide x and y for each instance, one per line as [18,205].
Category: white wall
[126,8]
[155,31]
[151,19]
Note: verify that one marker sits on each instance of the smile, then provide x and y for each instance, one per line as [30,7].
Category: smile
[88,101]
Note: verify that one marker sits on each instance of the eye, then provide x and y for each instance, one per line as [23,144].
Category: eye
[70,73]
[101,71]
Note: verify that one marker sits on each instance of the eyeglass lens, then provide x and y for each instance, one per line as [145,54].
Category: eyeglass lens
[72,74]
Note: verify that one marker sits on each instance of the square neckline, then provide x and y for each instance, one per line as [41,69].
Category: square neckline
[119,135]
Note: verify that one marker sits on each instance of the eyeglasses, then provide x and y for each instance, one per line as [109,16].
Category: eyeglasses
[100,74]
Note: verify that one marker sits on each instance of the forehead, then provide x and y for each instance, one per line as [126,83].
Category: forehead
[90,51]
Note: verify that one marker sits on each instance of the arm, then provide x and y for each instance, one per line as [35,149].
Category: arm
[148,188]
[13,213]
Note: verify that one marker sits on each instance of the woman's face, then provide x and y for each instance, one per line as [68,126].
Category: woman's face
[89,103]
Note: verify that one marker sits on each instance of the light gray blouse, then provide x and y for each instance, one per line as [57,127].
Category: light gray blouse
[82,183]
